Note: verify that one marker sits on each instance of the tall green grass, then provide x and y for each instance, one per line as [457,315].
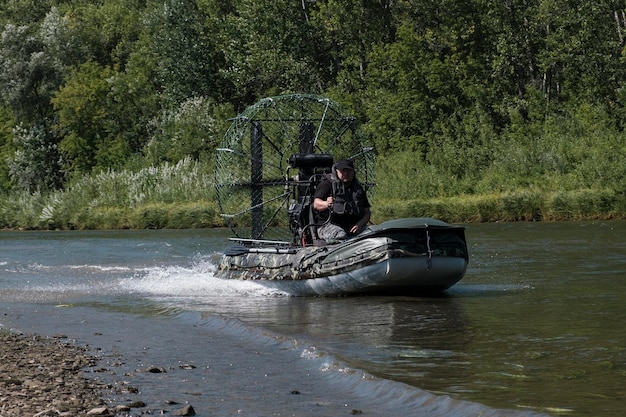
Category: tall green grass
[181,196]
[172,195]
[522,205]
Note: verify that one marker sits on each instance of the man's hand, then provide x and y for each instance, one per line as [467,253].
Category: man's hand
[323,205]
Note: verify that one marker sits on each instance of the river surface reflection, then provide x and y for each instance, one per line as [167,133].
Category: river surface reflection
[545,303]
[536,324]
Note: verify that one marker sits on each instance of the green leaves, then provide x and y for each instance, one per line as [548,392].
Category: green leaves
[176,39]
[36,165]
[187,131]
[457,84]
[81,106]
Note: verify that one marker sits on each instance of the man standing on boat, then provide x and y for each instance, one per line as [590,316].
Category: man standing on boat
[342,197]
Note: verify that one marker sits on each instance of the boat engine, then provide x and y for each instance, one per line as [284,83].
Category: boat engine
[312,168]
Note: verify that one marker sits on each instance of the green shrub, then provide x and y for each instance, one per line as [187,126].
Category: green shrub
[152,216]
[584,204]
[193,215]
[104,218]
[521,205]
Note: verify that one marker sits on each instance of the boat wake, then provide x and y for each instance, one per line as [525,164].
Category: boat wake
[195,281]
[69,283]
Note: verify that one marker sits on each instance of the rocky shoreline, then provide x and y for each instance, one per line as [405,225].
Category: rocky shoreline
[42,376]
[45,376]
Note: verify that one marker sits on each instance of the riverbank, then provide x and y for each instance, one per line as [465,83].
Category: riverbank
[43,376]
[523,205]
[46,376]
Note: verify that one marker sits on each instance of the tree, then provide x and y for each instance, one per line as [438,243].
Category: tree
[427,77]
[182,53]
[270,49]
[81,107]
[581,56]
[32,66]
[7,148]
[36,165]
[28,74]
[106,30]
[350,30]
[187,131]
[24,12]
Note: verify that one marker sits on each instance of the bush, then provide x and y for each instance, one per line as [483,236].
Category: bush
[583,204]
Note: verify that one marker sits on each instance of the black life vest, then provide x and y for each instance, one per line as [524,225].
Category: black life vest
[349,200]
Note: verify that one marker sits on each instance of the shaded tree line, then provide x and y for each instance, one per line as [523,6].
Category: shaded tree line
[478,89]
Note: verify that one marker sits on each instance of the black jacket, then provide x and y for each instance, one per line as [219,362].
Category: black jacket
[350,201]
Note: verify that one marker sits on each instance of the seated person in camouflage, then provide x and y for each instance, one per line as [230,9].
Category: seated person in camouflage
[341,196]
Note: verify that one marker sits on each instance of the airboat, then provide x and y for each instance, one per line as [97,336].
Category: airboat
[267,167]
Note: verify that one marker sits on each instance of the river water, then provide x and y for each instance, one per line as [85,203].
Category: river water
[535,327]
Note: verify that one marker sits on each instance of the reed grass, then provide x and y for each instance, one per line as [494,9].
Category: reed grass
[35,211]
[522,205]
[172,195]
[182,196]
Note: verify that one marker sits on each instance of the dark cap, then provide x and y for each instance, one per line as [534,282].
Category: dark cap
[344,164]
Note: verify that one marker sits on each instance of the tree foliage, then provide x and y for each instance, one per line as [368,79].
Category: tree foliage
[481,95]
[36,165]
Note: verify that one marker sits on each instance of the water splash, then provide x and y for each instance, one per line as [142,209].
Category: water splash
[189,284]
[192,282]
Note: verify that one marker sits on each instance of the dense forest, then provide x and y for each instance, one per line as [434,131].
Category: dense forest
[479,110]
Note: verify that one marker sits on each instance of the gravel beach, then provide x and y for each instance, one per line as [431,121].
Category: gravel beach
[43,376]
